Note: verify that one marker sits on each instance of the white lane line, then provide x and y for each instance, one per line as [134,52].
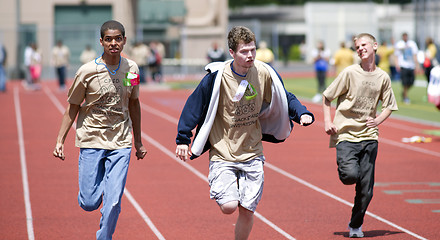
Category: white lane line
[204,178]
[409,147]
[127,194]
[24,175]
[301,181]
[143,214]
[328,194]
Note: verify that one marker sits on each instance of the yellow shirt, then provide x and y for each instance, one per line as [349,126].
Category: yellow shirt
[343,58]
[264,55]
[431,51]
[236,132]
[384,53]
[358,93]
[103,119]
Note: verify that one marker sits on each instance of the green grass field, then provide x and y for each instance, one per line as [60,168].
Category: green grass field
[419,109]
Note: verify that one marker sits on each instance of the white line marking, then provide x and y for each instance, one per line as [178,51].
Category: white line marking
[143,214]
[204,178]
[156,112]
[127,194]
[299,180]
[282,172]
[409,147]
[24,175]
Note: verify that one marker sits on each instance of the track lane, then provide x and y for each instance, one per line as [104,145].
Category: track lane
[12,210]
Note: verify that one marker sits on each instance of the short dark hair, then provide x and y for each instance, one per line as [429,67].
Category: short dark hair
[239,34]
[112,24]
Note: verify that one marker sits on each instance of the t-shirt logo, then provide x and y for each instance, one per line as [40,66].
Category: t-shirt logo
[246,90]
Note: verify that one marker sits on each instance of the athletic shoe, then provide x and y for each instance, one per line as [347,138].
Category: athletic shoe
[356,232]
[317,98]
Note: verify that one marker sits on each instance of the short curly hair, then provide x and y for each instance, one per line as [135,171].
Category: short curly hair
[239,34]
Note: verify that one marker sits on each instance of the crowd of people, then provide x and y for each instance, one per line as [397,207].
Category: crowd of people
[401,60]
[147,56]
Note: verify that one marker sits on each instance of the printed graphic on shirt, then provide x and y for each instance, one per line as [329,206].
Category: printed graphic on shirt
[245,111]
[110,91]
[365,101]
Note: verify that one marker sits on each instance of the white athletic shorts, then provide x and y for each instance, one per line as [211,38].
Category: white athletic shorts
[237,181]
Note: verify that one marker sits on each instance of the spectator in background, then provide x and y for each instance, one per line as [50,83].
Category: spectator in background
[395,76]
[60,59]
[303,50]
[3,57]
[430,60]
[35,66]
[264,54]
[343,58]
[406,53]
[384,52]
[140,54]
[216,53]
[321,57]
[27,83]
[155,61]
[87,55]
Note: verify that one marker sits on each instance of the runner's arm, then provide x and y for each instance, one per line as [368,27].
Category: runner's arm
[68,119]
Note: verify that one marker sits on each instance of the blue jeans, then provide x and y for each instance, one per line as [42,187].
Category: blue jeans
[2,78]
[102,177]
[61,73]
[356,163]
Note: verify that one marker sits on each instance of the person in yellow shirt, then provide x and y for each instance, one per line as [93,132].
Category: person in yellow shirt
[384,52]
[264,54]
[343,58]
[430,60]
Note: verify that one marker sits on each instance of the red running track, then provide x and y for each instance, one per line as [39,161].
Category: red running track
[169,199]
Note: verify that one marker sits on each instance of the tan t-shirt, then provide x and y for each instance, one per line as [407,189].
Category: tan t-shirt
[358,93]
[236,132]
[60,56]
[103,119]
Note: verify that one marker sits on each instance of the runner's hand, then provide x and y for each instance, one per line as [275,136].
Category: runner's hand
[59,151]
[183,152]
[141,151]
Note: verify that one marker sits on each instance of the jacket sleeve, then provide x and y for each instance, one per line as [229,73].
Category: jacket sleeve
[296,109]
[194,111]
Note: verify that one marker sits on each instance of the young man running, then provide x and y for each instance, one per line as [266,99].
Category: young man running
[238,104]
[104,95]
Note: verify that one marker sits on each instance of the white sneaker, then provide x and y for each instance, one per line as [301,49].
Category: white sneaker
[317,98]
[356,232]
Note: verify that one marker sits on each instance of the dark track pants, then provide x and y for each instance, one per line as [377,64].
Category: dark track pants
[356,163]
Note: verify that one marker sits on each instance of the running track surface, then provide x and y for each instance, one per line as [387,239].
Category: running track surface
[168,199]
